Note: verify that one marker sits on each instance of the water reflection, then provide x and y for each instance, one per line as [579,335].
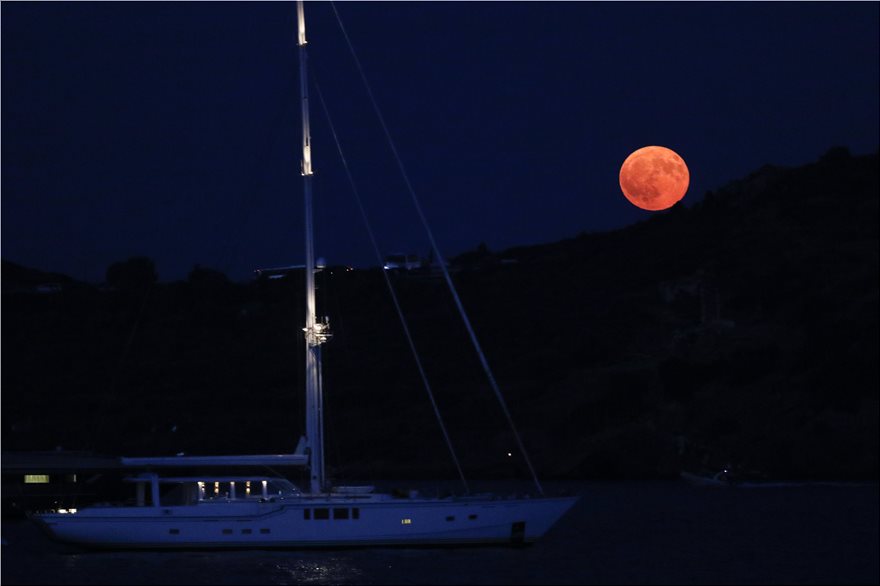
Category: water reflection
[34,564]
[319,570]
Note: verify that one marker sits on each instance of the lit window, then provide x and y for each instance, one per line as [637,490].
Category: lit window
[406,521]
[36,479]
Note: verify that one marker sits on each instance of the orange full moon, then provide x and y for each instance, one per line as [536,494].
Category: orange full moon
[654,178]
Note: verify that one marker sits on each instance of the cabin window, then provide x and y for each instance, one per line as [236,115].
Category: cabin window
[265,531]
[227,532]
[518,532]
[36,479]
[355,513]
[246,531]
[174,531]
[307,514]
[450,518]
[322,514]
[340,514]
[177,494]
[472,517]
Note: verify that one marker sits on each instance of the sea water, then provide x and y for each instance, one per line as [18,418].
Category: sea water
[618,533]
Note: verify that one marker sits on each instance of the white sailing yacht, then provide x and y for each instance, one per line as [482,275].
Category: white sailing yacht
[249,510]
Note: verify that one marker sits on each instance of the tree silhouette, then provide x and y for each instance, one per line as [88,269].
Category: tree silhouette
[136,273]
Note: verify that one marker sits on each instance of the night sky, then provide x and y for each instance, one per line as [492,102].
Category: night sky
[171,130]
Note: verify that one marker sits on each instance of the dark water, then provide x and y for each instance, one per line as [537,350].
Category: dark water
[619,533]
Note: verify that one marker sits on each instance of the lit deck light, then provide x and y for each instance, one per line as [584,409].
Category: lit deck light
[406,521]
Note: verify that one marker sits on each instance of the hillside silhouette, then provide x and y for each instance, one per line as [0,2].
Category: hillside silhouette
[741,332]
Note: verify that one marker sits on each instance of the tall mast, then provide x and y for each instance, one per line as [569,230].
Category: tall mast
[316,332]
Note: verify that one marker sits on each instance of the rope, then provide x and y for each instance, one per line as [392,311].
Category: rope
[391,290]
[439,256]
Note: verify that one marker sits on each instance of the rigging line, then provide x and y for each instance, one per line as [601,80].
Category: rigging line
[391,290]
[436,249]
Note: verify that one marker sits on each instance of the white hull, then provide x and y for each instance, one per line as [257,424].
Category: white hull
[372,521]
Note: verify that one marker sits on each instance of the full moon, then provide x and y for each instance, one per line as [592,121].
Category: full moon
[654,178]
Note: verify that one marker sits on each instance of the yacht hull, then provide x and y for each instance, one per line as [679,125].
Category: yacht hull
[312,523]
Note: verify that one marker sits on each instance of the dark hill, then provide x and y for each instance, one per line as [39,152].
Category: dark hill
[18,278]
[742,331]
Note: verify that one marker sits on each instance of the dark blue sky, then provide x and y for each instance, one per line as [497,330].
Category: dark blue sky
[172,130]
